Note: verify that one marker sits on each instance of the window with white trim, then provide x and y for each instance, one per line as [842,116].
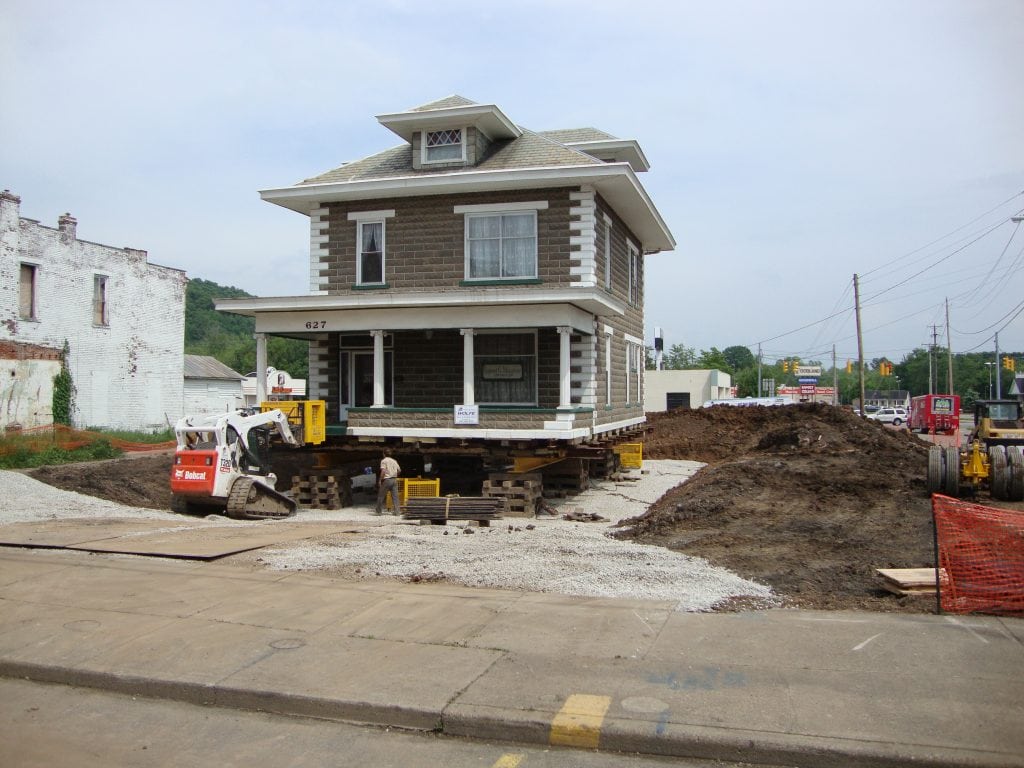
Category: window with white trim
[501,246]
[608,254]
[443,146]
[27,291]
[634,275]
[370,259]
[99,300]
[505,368]
[607,369]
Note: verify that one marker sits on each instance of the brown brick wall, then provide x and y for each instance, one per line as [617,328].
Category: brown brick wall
[424,240]
[16,350]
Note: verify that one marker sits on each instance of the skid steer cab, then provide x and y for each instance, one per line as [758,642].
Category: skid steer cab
[221,462]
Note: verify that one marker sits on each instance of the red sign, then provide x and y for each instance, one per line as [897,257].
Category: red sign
[807,389]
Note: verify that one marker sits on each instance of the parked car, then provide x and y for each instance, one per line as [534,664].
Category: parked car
[894,416]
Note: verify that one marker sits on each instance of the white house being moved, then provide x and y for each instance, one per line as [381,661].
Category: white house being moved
[121,317]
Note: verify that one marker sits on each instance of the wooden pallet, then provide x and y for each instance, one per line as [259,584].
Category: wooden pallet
[566,478]
[911,581]
[522,492]
[321,491]
[441,510]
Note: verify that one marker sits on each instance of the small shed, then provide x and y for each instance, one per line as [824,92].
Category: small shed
[210,386]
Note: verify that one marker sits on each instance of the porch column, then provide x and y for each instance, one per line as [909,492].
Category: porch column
[378,368]
[564,372]
[261,368]
[468,392]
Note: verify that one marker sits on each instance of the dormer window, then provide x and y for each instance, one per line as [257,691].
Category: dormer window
[444,146]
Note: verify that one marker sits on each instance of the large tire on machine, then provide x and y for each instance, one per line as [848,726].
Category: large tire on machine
[935,472]
[951,473]
[1015,460]
[999,473]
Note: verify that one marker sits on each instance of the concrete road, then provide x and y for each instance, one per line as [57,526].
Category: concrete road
[57,726]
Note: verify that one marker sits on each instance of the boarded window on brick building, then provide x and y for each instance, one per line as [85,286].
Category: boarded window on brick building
[99,300]
[27,292]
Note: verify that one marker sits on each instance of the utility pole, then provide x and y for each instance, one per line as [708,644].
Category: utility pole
[860,343]
[932,373]
[999,373]
[949,355]
[835,378]
[760,384]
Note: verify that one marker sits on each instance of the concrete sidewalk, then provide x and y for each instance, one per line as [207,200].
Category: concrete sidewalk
[784,687]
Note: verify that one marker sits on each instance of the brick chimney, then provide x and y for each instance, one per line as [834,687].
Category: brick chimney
[10,211]
[67,224]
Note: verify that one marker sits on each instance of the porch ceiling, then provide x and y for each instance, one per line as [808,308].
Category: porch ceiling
[490,308]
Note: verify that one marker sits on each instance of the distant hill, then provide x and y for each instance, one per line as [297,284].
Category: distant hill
[229,337]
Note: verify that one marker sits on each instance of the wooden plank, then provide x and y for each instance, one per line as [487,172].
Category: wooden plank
[910,581]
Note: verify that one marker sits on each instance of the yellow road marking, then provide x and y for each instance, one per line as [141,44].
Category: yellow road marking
[578,723]
[508,761]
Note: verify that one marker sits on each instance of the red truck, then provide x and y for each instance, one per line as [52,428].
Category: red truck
[935,414]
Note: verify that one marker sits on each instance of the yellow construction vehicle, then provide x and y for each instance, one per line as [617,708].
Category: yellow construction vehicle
[992,460]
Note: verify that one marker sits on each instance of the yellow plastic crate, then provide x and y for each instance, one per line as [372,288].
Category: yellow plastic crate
[415,487]
[631,455]
[309,416]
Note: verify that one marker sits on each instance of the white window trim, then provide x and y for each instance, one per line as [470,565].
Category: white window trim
[607,252]
[370,215]
[464,132]
[608,365]
[498,211]
[360,223]
[634,275]
[534,205]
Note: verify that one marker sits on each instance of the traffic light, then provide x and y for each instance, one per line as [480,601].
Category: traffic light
[785,366]
[794,364]
[849,366]
[1009,364]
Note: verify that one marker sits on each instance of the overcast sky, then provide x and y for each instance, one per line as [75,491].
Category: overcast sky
[792,144]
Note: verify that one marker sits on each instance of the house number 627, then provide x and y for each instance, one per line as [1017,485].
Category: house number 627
[314,324]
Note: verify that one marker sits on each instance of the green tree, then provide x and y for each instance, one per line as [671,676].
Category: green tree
[229,338]
[739,358]
[713,359]
[680,358]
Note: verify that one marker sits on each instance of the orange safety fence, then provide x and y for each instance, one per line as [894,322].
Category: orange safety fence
[982,550]
[41,438]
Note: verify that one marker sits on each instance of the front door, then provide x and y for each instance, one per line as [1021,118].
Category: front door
[357,380]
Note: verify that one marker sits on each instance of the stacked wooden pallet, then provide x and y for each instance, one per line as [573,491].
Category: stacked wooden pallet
[604,464]
[440,510]
[523,492]
[321,491]
[911,581]
[566,478]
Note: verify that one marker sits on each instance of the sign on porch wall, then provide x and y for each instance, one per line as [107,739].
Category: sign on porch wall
[467,414]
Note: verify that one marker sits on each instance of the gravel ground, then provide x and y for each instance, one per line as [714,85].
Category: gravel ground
[554,555]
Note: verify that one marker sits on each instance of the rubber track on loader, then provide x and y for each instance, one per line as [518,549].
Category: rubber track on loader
[249,500]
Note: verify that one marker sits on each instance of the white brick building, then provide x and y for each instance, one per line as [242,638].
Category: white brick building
[122,317]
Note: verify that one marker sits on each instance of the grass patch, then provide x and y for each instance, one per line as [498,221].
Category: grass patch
[149,438]
[22,453]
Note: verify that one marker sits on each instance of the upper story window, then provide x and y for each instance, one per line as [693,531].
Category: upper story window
[27,292]
[501,246]
[607,253]
[370,245]
[634,275]
[370,264]
[99,300]
[444,146]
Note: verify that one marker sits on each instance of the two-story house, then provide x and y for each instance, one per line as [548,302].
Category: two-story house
[478,282]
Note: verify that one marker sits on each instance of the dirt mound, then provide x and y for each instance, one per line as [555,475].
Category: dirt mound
[809,499]
[135,479]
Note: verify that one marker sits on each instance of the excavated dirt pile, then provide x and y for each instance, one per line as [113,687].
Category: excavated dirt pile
[809,499]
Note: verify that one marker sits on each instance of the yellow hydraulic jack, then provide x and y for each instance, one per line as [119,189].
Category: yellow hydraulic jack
[975,466]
